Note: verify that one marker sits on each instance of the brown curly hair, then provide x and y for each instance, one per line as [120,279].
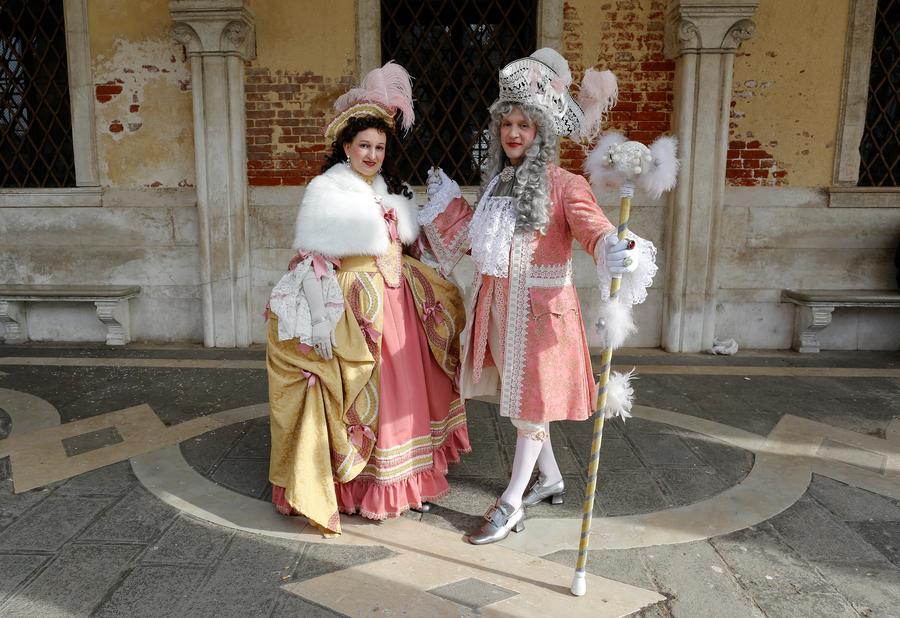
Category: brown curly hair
[356,124]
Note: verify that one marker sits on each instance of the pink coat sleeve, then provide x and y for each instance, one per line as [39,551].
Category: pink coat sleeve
[583,214]
[448,234]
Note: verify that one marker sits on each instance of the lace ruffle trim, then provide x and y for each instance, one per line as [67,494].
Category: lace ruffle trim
[290,305]
[438,203]
[633,290]
[491,234]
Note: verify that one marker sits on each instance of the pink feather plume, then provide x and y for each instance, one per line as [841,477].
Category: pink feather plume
[390,86]
[599,93]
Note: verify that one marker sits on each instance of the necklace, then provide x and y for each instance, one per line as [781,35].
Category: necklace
[367,179]
[508,173]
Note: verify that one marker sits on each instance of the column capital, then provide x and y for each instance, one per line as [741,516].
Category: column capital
[708,26]
[214,27]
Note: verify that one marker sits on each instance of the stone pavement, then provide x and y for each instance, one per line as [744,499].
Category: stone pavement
[766,484]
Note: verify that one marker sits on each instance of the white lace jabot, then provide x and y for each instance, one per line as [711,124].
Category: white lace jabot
[491,232]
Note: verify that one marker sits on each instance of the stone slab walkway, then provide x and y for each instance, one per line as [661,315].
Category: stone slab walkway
[134,484]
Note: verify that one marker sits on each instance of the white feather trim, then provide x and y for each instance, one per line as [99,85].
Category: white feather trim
[339,215]
[599,168]
[619,395]
[662,173]
[615,322]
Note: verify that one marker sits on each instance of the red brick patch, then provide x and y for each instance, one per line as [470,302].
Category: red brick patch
[286,117]
[632,48]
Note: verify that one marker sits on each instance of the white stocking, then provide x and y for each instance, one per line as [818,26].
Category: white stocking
[547,464]
[527,451]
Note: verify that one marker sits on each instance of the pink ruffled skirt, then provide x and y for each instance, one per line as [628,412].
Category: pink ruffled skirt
[421,423]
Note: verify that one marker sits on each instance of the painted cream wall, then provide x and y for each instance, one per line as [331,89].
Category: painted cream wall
[787,90]
[145,128]
[316,36]
[787,86]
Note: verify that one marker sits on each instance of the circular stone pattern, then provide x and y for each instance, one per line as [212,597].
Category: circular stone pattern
[644,466]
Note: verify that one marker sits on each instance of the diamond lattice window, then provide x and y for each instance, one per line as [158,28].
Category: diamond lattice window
[880,147]
[35,122]
[453,50]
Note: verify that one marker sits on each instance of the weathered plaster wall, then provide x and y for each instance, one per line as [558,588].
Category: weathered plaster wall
[778,231]
[787,92]
[143,110]
[626,37]
[781,238]
[145,230]
[305,60]
[146,238]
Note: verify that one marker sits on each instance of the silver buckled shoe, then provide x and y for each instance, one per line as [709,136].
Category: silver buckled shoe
[499,520]
[539,492]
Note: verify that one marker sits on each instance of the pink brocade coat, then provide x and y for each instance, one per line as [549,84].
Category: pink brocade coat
[546,365]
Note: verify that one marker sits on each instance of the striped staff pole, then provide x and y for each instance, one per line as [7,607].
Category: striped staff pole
[579,583]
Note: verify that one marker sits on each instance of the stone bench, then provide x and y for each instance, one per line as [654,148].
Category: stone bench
[814,309]
[105,297]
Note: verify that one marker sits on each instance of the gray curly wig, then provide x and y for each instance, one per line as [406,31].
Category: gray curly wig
[532,187]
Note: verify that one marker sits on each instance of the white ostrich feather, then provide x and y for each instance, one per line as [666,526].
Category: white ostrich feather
[619,395]
[662,173]
[615,323]
[600,171]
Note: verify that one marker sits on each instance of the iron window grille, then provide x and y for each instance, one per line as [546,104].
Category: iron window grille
[880,147]
[453,50]
[35,121]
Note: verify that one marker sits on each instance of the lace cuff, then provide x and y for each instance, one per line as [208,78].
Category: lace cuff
[290,305]
[437,203]
[426,256]
[633,289]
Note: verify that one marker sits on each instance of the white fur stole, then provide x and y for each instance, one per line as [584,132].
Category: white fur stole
[340,215]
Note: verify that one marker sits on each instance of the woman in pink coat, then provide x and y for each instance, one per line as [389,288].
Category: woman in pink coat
[524,335]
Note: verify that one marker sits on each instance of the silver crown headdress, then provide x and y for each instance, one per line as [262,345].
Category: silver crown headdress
[533,81]
[543,79]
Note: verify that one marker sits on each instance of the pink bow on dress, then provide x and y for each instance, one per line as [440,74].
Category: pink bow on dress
[319,262]
[433,311]
[358,432]
[310,378]
[369,330]
[390,217]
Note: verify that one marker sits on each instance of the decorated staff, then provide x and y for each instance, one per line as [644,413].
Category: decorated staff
[626,165]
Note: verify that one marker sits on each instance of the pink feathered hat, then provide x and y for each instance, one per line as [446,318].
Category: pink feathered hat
[383,92]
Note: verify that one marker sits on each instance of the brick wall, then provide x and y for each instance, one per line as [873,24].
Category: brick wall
[631,46]
[287,112]
[286,116]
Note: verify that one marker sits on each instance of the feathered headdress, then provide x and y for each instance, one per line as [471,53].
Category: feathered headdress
[383,93]
[543,79]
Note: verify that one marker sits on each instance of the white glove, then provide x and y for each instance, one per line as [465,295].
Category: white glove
[322,333]
[435,178]
[323,338]
[621,255]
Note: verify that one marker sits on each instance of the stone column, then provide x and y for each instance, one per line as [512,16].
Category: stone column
[702,36]
[218,36]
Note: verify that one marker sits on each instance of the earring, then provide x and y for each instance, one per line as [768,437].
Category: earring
[347,162]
